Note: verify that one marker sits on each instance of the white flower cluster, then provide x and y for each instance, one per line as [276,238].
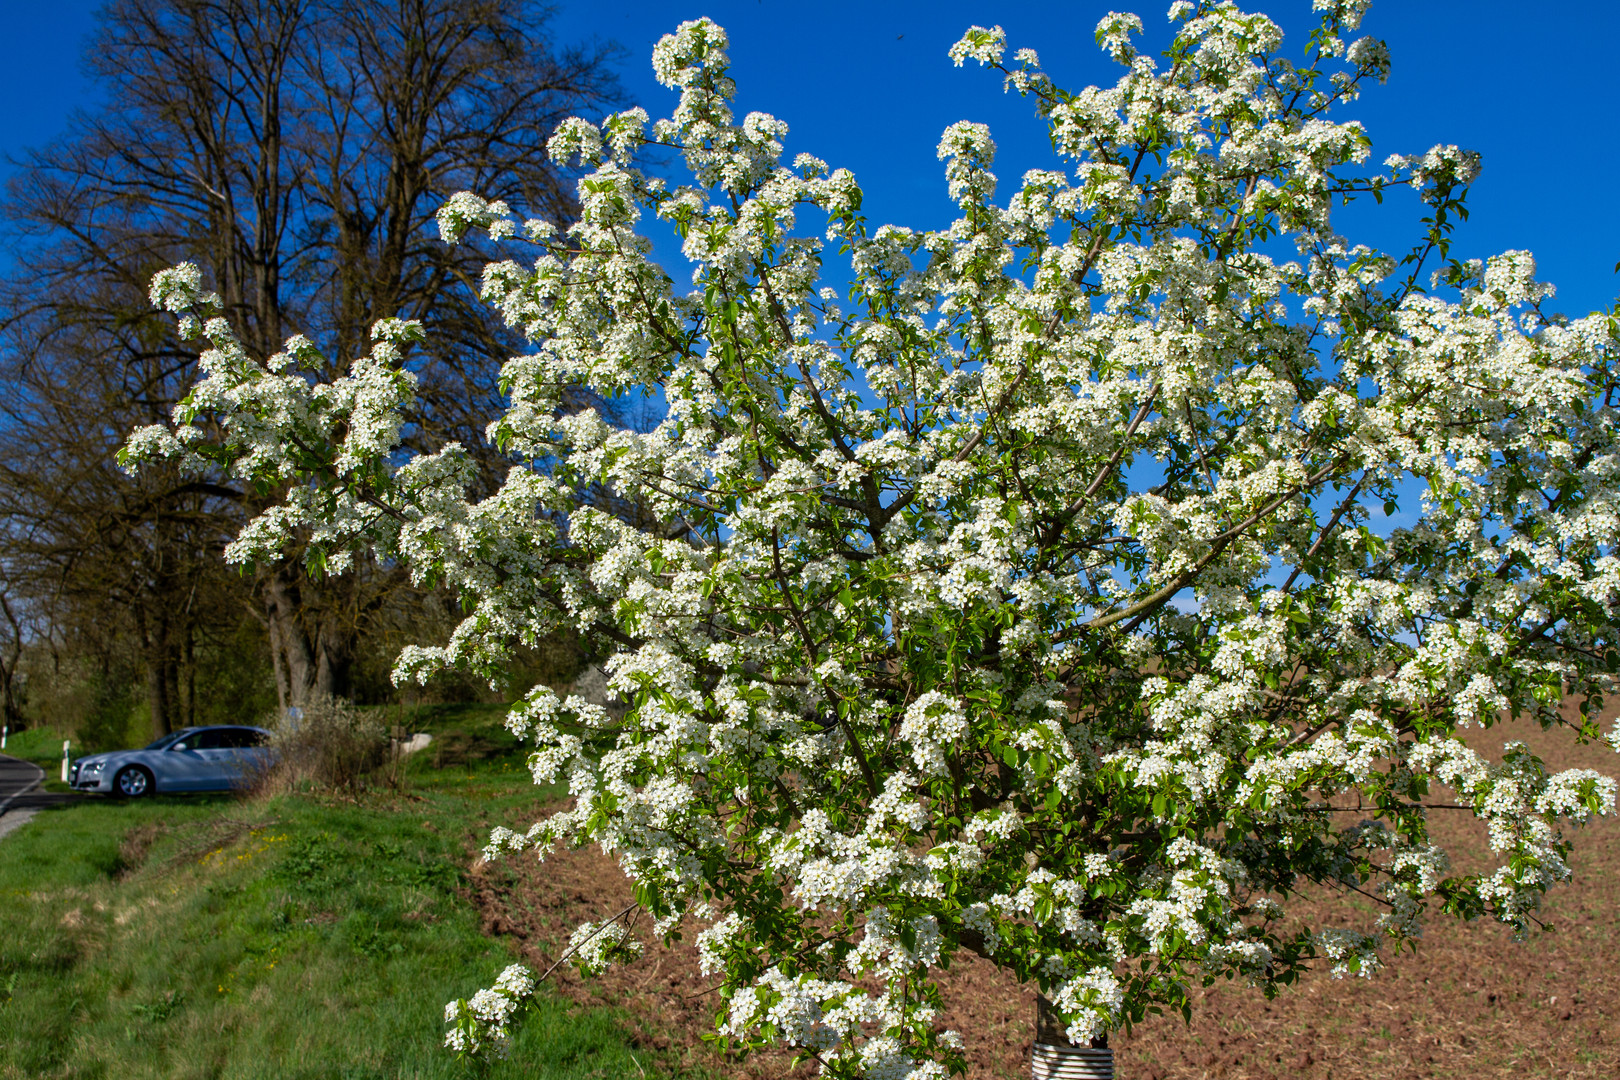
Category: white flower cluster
[1035,594]
[179,289]
[1092,1001]
[828,1017]
[481,1025]
[465,210]
[594,947]
[1349,951]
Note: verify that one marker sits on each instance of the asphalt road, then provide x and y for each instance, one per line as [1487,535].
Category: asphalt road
[22,791]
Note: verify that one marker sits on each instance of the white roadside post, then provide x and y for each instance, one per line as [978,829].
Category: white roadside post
[65,760]
[5,732]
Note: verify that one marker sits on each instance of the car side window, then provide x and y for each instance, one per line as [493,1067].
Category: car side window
[238,737]
[212,739]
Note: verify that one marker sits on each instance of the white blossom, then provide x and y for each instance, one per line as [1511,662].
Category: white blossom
[1035,592]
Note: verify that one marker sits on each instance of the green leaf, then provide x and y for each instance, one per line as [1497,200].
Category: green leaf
[1042,912]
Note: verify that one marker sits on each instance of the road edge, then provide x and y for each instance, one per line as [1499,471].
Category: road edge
[5,803]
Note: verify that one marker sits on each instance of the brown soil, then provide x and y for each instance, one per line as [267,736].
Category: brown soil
[1470,1004]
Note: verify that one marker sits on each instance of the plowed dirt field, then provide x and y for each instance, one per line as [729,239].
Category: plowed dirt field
[1471,1003]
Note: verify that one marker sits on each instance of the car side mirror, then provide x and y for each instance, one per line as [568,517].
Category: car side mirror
[178,746]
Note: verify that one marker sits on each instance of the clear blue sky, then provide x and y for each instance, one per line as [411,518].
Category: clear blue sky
[867,86]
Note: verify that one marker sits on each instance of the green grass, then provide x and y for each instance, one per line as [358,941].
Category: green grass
[41,745]
[290,937]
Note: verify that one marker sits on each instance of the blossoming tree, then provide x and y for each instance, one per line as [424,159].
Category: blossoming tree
[1024,597]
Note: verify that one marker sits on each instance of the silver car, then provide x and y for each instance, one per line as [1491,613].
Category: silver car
[193,759]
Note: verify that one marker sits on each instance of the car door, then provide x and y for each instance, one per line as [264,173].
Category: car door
[217,752]
[241,754]
[182,766]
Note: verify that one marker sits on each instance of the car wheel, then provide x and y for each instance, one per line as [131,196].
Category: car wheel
[133,782]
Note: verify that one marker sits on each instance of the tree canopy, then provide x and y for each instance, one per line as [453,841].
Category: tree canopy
[1034,595]
[296,151]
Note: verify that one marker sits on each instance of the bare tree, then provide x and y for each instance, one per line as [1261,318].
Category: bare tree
[13,639]
[296,150]
[90,552]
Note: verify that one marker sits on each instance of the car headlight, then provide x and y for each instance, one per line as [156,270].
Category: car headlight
[94,766]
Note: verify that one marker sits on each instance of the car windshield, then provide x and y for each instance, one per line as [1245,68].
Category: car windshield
[163,741]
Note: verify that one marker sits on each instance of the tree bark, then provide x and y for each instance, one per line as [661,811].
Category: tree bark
[296,661]
[10,714]
[334,669]
[1050,1029]
[187,675]
[278,661]
[153,628]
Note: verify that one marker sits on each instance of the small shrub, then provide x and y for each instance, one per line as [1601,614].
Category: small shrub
[331,743]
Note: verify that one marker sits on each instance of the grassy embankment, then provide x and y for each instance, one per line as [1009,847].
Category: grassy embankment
[293,936]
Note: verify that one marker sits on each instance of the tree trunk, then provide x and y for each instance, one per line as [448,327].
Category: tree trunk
[312,643]
[335,668]
[187,676]
[171,677]
[278,663]
[159,669]
[10,714]
[1050,1029]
